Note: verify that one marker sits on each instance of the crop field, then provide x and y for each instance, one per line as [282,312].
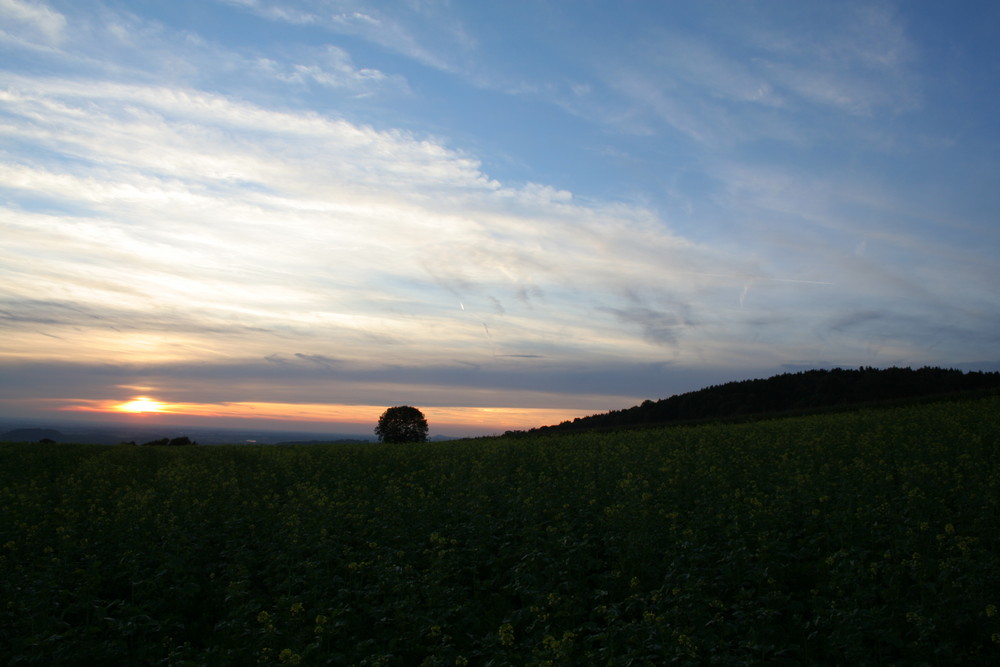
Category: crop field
[868,537]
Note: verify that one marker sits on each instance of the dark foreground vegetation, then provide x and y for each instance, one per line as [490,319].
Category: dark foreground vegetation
[789,393]
[865,537]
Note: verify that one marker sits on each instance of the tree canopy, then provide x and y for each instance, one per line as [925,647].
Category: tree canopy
[402,423]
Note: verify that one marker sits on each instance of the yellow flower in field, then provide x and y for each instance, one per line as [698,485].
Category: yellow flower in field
[461,661]
[688,645]
[506,633]
[321,619]
[263,617]
[991,610]
[287,655]
[296,609]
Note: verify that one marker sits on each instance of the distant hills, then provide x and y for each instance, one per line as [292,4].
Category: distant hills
[113,433]
[806,391]
[30,435]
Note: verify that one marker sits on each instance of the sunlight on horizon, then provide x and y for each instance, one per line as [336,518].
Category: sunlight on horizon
[447,417]
[141,405]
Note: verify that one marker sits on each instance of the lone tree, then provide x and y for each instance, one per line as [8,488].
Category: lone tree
[402,424]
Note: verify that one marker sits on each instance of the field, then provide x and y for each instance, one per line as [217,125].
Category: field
[869,537]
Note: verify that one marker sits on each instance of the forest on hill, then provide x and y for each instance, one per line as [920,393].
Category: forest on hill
[805,391]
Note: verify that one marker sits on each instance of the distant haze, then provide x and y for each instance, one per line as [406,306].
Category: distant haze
[112,433]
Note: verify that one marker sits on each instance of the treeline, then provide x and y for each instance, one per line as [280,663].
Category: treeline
[805,391]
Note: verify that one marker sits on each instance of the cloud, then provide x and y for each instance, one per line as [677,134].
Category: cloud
[170,216]
[319,360]
[658,327]
[729,76]
[419,31]
[856,58]
[330,67]
[28,22]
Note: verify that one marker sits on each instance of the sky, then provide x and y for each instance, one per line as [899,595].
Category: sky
[507,214]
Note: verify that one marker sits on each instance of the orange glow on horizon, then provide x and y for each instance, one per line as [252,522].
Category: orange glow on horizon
[478,418]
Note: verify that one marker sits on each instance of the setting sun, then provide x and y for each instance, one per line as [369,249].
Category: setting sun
[140,405]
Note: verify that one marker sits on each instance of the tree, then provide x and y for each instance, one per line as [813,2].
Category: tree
[402,424]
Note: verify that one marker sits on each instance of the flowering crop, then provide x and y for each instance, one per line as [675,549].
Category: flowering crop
[863,537]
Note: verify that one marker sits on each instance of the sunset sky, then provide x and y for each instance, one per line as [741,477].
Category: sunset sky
[505,213]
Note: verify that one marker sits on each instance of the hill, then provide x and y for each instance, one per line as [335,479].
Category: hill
[30,435]
[806,391]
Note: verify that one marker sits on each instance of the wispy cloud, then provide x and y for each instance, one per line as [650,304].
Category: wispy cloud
[27,23]
[168,204]
[767,79]
[331,67]
[421,31]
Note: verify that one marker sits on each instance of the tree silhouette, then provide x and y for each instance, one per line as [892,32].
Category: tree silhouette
[402,423]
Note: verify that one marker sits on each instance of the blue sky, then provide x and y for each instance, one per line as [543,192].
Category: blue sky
[507,214]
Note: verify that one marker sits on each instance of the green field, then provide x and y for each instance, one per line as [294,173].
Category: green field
[869,537]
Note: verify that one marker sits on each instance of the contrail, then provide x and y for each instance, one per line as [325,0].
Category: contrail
[747,285]
[792,280]
[760,279]
[490,339]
